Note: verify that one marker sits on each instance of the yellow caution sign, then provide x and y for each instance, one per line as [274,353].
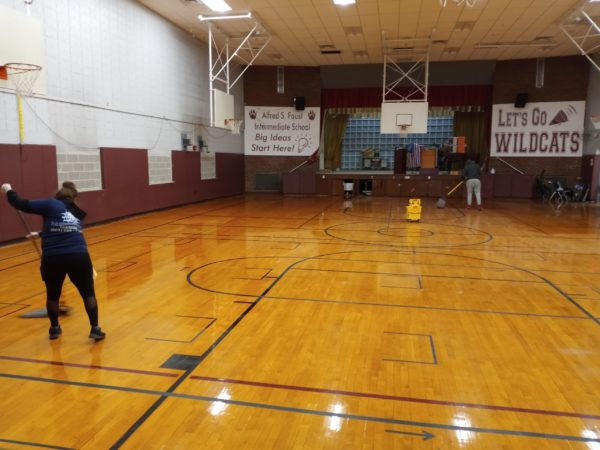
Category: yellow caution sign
[413,210]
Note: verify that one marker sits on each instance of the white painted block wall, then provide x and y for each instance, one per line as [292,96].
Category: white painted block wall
[118,75]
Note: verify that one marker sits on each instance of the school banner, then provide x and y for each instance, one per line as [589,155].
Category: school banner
[281,131]
[538,129]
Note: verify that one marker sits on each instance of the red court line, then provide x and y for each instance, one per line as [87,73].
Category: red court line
[90,366]
[397,398]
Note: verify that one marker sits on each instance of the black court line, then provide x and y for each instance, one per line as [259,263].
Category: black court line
[449,277]
[183,377]
[149,412]
[196,336]
[34,444]
[328,231]
[123,235]
[350,302]
[316,258]
[428,251]
[428,308]
[21,307]
[89,366]
[396,398]
[169,394]
[415,361]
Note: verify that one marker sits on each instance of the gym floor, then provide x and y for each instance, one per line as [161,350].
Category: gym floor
[277,322]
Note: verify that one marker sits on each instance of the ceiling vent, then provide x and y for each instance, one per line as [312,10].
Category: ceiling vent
[353,31]
[464,26]
[328,49]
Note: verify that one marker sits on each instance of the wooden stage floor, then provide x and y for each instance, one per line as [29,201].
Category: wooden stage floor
[274,322]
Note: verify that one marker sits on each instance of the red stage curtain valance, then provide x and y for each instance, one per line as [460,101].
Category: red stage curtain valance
[437,96]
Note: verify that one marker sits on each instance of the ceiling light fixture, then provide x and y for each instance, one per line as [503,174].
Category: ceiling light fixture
[469,3]
[217,5]
[344,2]
[225,17]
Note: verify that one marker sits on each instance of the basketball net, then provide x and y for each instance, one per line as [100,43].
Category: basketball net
[23,76]
[234,125]
[403,130]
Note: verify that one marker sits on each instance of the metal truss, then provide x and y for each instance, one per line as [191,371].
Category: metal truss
[582,27]
[230,56]
[405,64]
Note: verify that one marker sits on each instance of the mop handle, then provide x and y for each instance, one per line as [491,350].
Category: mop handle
[37,249]
[455,188]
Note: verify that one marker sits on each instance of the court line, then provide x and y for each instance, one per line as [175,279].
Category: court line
[140,421]
[89,366]
[212,320]
[396,398]
[272,407]
[366,272]
[34,444]
[391,305]
[428,308]
[328,232]
[293,265]
[279,278]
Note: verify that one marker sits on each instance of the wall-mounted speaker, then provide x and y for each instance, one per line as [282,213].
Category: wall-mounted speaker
[521,100]
[299,103]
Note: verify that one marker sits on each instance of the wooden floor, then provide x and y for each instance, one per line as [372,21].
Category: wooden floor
[270,322]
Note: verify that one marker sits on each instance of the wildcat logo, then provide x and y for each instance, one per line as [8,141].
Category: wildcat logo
[69,218]
[252,114]
[311,115]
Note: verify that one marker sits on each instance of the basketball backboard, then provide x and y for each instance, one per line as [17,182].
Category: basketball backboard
[224,111]
[404,117]
[21,41]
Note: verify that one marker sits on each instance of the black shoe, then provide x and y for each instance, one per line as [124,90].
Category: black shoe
[54,332]
[97,333]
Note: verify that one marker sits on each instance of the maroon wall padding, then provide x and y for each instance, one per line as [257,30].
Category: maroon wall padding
[32,173]
[125,181]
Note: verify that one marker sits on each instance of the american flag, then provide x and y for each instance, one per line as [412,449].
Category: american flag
[413,156]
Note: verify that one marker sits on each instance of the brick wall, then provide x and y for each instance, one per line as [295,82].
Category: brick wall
[260,89]
[565,79]
[568,167]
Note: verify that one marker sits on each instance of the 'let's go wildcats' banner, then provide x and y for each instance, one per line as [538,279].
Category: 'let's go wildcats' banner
[539,129]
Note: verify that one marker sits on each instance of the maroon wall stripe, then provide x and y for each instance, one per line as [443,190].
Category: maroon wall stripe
[32,171]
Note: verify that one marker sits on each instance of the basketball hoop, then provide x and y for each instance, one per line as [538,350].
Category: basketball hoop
[23,76]
[403,130]
[234,125]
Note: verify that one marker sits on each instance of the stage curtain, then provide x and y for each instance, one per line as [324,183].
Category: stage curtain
[454,96]
[471,125]
[333,135]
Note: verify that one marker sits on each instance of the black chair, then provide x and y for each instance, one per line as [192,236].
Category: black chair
[560,193]
[580,191]
[544,187]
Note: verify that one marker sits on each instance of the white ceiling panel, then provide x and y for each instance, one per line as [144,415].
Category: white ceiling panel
[299,27]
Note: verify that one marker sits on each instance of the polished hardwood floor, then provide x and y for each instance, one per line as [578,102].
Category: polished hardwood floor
[272,322]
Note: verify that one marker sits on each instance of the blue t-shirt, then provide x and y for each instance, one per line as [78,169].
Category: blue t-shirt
[62,231]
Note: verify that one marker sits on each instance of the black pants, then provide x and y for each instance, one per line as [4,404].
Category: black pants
[78,266]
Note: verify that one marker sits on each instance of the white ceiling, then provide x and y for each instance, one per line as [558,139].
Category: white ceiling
[301,29]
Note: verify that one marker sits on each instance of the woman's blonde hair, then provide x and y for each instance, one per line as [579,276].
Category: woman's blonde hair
[68,191]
